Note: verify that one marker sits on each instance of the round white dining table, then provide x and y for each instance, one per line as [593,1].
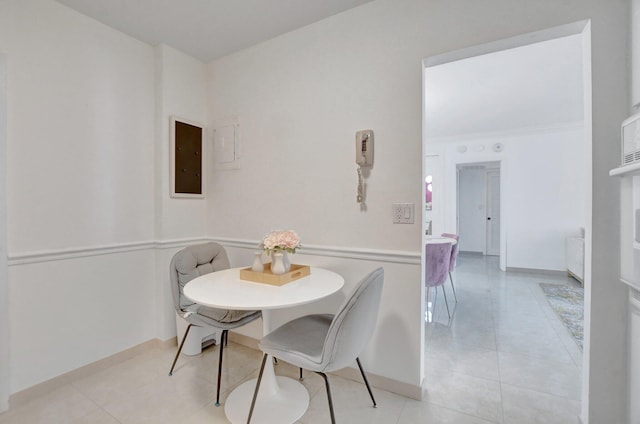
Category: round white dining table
[281,400]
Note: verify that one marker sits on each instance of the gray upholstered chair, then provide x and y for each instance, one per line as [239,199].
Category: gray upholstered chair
[187,264]
[325,343]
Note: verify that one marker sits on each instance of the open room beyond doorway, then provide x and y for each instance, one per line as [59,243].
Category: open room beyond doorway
[514,112]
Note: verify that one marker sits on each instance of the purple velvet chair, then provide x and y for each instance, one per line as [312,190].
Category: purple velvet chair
[454,257]
[437,259]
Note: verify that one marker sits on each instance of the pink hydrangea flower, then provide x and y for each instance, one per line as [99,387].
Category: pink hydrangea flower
[281,240]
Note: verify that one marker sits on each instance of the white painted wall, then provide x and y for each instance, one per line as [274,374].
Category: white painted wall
[80,130]
[80,163]
[395,333]
[180,90]
[543,192]
[69,313]
[300,98]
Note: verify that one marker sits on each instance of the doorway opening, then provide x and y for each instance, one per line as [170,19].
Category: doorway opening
[526,150]
[478,214]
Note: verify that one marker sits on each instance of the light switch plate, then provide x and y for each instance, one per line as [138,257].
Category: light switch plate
[404,213]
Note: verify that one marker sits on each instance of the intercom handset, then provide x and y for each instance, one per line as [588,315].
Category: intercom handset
[364,157]
[364,148]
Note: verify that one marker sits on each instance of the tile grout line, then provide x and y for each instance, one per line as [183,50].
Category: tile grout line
[495,335]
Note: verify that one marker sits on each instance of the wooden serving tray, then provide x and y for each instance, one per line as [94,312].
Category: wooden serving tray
[267,277]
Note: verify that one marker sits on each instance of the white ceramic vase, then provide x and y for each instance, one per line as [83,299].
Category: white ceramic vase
[257,263]
[286,260]
[277,263]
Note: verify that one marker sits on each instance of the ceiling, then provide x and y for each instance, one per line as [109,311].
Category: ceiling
[539,85]
[535,86]
[209,29]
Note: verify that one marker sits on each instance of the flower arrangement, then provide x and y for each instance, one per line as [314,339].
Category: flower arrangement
[286,240]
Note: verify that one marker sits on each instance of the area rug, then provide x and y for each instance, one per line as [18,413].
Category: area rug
[568,303]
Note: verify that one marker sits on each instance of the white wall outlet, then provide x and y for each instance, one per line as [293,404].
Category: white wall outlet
[404,213]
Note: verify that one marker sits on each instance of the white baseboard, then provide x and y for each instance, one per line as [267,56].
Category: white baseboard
[550,272]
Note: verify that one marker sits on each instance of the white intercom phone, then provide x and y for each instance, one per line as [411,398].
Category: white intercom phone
[364,157]
[364,148]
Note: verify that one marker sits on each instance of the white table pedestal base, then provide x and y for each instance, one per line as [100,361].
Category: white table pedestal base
[285,405]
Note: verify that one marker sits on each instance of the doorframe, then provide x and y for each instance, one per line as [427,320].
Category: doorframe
[488,171]
[4,267]
[584,29]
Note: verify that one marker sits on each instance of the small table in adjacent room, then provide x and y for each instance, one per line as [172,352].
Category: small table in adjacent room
[281,399]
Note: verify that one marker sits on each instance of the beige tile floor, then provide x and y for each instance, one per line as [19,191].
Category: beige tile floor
[503,358]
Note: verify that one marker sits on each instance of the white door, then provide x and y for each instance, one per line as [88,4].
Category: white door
[471,208]
[493,212]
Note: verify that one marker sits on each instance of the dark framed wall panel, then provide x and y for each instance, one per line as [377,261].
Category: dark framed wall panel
[187,158]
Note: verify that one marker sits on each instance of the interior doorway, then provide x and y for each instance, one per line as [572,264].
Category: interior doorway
[493,212]
[478,214]
[489,129]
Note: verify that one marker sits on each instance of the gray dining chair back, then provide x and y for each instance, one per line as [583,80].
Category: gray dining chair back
[325,343]
[191,262]
[354,324]
[187,264]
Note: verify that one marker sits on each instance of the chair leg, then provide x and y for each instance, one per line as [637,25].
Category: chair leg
[255,393]
[427,317]
[186,333]
[364,377]
[224,335]
[446,302]
[326,383]
[453,288]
